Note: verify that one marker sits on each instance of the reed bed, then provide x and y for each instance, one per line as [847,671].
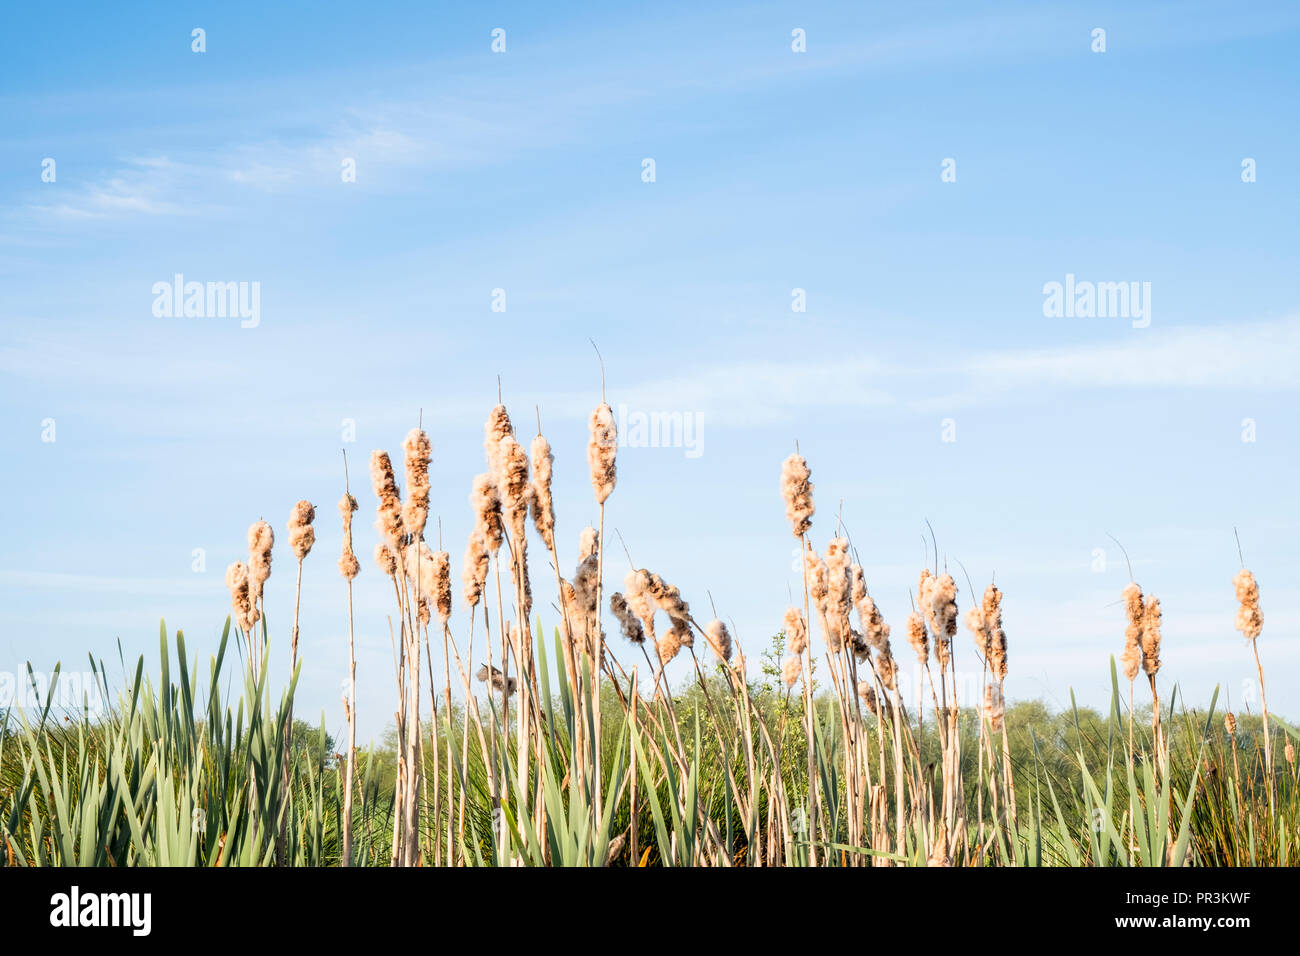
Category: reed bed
[518,744]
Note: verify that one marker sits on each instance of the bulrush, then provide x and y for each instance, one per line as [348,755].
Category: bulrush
[349,567]
[627,620]
[1151,637]
[261,539]
[1230,723]
[941,613]
[669,645]
[542,504]
[486,502]
[477,562]
[839,580]
[637,591]
[241,605]
[994,707]
[992,613]
[497,427]
[386,560]
[797,490]
[389,521]
[1250,620]
[917,637]
[873,623]
[587,573]
[719,639]
[515,492]
[975,624]
[601,450]
[887,668]
[868,695]
[419,452]
[796,631]
[421,570]
[818,586]
[790,670]
[301,533]
[1134,610]
[442,584]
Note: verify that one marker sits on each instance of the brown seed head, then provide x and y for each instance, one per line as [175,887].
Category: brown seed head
[797,490]
[301,534]
[601,450]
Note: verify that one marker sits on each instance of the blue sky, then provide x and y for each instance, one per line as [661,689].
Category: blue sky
[775,170]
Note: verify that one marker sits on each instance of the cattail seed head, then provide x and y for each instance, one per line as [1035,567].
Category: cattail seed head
[601,450]
[543,505]
[839,605]
[1250,619]
[349,567]
[719,639]
[242,611]
[791,670]
[419,452]
[477,562]
[636,588]
[1134,611]
[1289,753]
[994,707]
[1230,723]
[386,560]
[389,521]
[887,668]
[1151,637]
[941,615]
[261,539]
[796,631]
[627,620]
[868,695]
[669,645]
[301,533]
[486,502]
[992,613]
[497,427]
[917,637]
[797,490]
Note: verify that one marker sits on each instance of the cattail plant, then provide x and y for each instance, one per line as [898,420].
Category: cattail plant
[1250,622]
[349,567]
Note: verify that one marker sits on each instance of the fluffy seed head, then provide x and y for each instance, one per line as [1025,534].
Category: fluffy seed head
[636,587]
[1134,611]
[791,670]
[796,631]
[497,427]
[601,449]
[543,505]
[349,567]
[992,612]
[797,490]
[917,637]
[419,452]
[719,639]
[1289,753]
[301,534]
[486,502]
[389,521]
[994,707]
[242,611]
[627,620]
[386,560]
[477,562]
[868,695]
[261,539]
[1151,637]
[1250,619]
[669,645]
[886,668]
[1230,723]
